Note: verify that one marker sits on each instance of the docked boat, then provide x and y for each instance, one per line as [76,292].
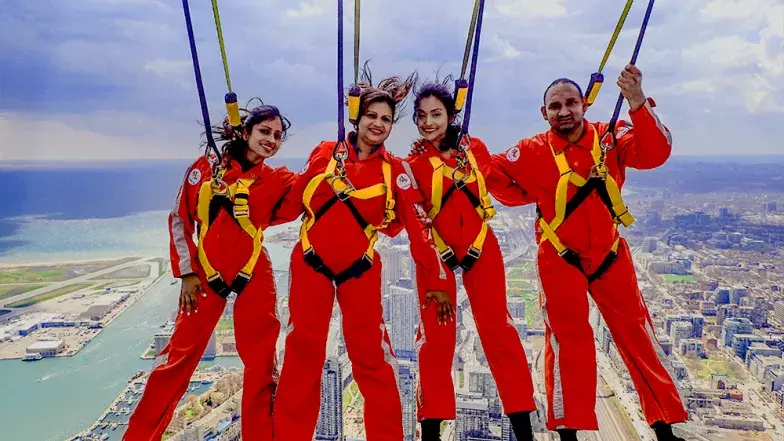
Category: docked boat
[32,357]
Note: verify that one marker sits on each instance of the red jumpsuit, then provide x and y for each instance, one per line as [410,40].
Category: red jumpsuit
[339,241]
[590,231]
[458,224]
[256,326]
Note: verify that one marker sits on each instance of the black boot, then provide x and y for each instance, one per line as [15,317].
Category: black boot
[567,434]
[664,432]
[521,426]
[431,430]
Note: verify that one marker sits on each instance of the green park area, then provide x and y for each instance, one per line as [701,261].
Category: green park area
[55,273]
[520,270]
[48,295]
[225,324]
[9,291]
[675,278]
[704,368]
[350,395]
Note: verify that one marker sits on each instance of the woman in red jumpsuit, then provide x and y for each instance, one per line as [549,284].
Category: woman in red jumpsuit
[226,258]
[335,257]
[459,208]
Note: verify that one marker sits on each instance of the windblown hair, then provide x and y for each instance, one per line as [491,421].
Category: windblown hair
[234,144]
[561,81]
[392,91]
[440,91]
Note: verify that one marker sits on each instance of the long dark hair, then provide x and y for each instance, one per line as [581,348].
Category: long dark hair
[440,91]
[234,144]
[392,91]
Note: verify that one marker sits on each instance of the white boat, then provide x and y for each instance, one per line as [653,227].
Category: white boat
[32,357]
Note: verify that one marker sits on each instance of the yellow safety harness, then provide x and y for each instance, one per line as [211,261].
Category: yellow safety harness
[344,192]
[601,182]
[214,196]
[482,204]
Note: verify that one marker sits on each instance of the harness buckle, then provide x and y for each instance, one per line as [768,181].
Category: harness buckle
[599,171]
[447,254]
[219,187]
[474,252]
[343,195]
[241,211]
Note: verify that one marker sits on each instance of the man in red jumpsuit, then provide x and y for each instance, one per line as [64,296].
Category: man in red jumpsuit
[584,253]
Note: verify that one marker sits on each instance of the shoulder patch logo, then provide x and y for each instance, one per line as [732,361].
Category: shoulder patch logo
[513,154]
[622,131]
[403,181]
[195,176]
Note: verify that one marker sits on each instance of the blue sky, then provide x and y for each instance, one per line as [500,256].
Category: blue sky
[103,79]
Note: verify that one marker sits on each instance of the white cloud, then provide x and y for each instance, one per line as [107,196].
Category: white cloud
[721,55]
[744,58]
[530,9]
[503,49]
[698,86]
[26,138]
[307,10]
[178,71]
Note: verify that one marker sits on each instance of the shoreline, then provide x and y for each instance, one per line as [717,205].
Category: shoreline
[32,263]
[140,379]
[111,317]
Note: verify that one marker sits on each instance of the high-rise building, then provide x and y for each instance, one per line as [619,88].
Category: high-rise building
[723,296]
[516,307]
[653,219]
[162,337]
[770,207]
[211,350]
[726,312]
[473,418]
[758,316]
[742,342]
[403,320]
[697,321]
[521,324]
[397,263]
[330,421]
[407,374]
[708,308]
[649,244]
[737,294]
[778,312]
[734,326]
[192,432]
[762,350]
[481,381]
[680,331]
[228,310]
[385,307]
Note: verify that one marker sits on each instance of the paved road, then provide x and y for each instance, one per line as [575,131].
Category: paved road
[84,278]
[611,424]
